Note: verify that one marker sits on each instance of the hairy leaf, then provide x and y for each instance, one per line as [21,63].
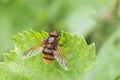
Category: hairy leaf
[81,58]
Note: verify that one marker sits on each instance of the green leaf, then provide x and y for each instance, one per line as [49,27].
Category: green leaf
[81,58]
[108,60]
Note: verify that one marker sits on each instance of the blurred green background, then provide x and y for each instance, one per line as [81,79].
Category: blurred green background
[96,20]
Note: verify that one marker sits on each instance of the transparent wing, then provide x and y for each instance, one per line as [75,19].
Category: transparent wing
[34,50]
[59,56]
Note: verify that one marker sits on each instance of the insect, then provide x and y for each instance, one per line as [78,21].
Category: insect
[51,50]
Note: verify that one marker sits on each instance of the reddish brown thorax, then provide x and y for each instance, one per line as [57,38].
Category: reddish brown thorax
[52,41]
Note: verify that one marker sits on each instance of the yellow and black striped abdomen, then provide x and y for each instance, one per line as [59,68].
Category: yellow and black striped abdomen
[48,55]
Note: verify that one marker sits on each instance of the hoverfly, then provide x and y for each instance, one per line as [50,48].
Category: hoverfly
[51,50]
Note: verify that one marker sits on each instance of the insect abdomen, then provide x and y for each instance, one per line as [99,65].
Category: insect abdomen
[48,55]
